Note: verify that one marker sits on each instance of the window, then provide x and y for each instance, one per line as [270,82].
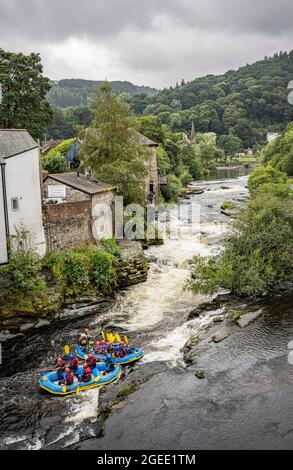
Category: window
[15,203]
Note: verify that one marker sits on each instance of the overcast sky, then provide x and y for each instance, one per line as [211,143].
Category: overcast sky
[151,42]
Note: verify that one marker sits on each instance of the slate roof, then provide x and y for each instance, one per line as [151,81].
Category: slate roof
[15,141]
[144,140]
[50,145]
[134,136]
[81,183]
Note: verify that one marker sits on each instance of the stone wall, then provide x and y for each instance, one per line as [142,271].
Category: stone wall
[133,267]
[67,225]
[72,195]
[153,176]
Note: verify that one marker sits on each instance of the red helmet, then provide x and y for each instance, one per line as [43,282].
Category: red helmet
[67,370]
[90,355]
[85,365]
[59,359]
[104,341]
[122,343]
[98,343]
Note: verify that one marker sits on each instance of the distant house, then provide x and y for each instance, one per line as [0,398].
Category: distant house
[77,210]
[71,154]
[271,136]
[20,191]
[49,145]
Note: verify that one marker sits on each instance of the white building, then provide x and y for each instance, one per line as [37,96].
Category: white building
[271,136]
[20,191]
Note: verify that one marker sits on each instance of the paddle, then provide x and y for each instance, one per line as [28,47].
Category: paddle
[66,349]
[117,336]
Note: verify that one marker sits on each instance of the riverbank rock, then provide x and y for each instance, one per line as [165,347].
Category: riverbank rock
[247,318]
[133,267]
[193,190]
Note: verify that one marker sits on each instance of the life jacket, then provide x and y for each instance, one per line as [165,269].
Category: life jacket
[74,364]
[69,378]
[87,374]
[61,366]
[83,341]
[105,347]
[92,362]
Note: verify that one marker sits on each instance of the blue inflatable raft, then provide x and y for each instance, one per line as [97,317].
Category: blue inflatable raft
[133,354]
[50,381]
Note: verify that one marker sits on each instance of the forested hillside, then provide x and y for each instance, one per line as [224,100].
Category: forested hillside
[246,103]
[77,92]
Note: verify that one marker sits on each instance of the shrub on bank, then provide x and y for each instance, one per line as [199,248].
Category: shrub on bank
[75,272]
[258,251]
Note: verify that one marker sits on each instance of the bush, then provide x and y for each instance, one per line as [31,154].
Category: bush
[227,205]
[103,272]
[171,191]
[258,252]
[265,175]
[54,163]
[24,267]
[110,245]
[75,271]
[84,268]
[185,177]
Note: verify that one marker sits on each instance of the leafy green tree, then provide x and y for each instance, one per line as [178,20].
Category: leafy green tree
[265,175]
[112,148]
[24,89]
[54,163]
[230,144]
[151,127]
[258,251]
[190,158]
[257,255]
[280,152]
[163,161]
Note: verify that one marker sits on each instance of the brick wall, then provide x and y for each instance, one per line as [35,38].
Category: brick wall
[67,225]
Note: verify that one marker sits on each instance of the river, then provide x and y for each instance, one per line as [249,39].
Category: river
[244,402]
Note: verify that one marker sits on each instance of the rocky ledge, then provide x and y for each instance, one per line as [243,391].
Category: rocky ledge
[228,315]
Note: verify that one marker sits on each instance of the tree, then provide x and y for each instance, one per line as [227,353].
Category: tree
[54,163]
[151,127]
[191,159]
[258,251]
[112,148]
[264,175]
[280,152]
[163,160]
[24,89]
[230,144]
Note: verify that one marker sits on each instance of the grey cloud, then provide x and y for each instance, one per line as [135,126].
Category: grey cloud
[55,20]
[149,41]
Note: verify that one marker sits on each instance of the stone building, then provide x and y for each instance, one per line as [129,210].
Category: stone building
[76,210]
[152,179]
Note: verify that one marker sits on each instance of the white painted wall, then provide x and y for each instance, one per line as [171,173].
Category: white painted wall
[3,244]
[23,182]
